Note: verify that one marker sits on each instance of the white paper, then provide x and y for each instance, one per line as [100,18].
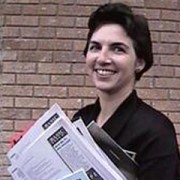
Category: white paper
[57,151]
[42,124]
[77,175]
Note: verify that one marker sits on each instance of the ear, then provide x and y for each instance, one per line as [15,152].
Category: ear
[140,64]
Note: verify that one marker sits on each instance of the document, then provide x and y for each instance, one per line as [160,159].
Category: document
[77,175]
[123,159]
[54,148]
[43,123]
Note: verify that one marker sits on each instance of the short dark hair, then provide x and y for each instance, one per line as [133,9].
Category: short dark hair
[136,27]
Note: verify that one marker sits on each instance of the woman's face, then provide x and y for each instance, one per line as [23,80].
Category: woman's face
[111,60]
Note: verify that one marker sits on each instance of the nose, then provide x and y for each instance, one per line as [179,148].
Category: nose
[103,56]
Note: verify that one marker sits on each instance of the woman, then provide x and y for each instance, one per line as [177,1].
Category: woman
[117,53]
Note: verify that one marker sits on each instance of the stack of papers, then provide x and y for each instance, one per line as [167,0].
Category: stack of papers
[54,148]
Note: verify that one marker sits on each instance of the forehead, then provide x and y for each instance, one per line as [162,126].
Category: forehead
[110,33]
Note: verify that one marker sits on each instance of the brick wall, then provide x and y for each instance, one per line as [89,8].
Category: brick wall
[42,42]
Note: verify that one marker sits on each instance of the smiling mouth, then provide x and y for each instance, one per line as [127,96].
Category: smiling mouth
[105,72]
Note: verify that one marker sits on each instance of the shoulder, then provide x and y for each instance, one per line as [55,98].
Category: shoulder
[156,131]
[154,118]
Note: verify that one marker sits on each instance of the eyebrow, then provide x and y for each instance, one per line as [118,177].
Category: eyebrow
[120,44]
[112,44]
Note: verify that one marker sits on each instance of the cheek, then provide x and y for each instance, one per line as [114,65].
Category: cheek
[89,62]
[126,65]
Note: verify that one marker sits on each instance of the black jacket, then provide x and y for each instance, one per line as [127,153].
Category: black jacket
[137,127]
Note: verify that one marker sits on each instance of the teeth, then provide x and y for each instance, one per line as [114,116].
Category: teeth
[105,72]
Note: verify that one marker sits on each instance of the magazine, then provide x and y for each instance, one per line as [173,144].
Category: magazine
[54,148]
[57,151]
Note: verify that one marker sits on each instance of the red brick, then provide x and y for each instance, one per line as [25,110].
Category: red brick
[11,9]
[177,128]
[55,44]
[13,113]
[68,56]
[174,116]
[50,1]
[170,15]
[36,32]
[174,94]
[162,25]
[82,92]
[7,101]
[152,13]
[165,48]
[37,113]
[68,80]
[168,4]
[54,68]
[32,79]
[172,60]
[43,9]
[7,125]
[71,33]
[155,94]
[76,10]
[177,71]
[34,56]
[92,2]
[10,32]
[13,90]
[66,10]
[19,67]
[17,44]
[88,101]
[79,45]
[6,136]
[8,78]
[161,71]
[88,81]
[22,124]
[155,36]
[2,20]
[67,103]
[22,20]
[81,22]
[145,82]
[170,37]
[135,3]
[79,68]
[31,102]
[167,83]
[3,148]
[50,91]
[22,1]
[3,171]
[9,55]
[4,159]
[165,105]
[52,21]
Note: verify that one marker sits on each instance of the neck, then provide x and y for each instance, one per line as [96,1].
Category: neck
[109,103]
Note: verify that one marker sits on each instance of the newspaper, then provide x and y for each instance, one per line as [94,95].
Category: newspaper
[54,149]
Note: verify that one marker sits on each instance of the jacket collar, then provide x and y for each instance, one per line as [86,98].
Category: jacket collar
[117,122]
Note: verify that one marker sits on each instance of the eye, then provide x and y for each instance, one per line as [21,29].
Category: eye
[117,49]
[94,47]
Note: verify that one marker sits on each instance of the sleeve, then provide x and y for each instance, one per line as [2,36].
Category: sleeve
[162,168]
[160,159]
